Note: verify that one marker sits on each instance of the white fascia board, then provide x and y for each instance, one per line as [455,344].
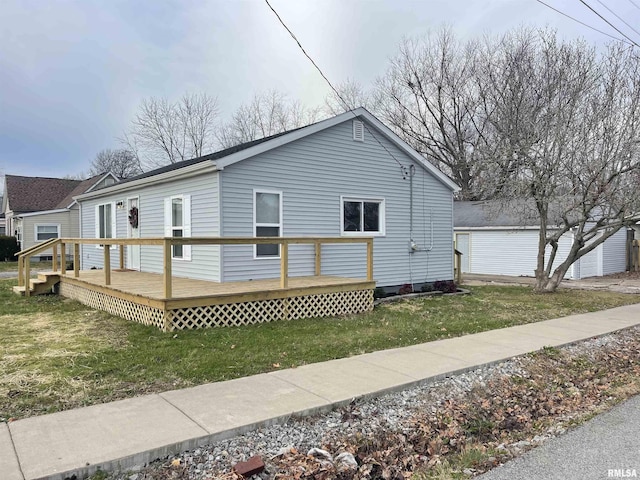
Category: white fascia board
[330,122]
[406,148]
[108,174]
[43,212]
[180,173]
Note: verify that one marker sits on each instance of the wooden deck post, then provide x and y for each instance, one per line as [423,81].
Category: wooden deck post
[27,277]
[107,264]
[76,260]
[284,264]
[20,271]
[370,259]
[121,256]
[63,258]
[318,258]
[54,259]
[167,268]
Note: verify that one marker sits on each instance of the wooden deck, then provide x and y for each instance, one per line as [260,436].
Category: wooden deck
[194,303]
[173,303]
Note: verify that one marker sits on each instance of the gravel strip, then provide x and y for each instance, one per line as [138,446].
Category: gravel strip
[365,417]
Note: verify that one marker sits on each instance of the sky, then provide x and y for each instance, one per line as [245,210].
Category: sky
[73,72]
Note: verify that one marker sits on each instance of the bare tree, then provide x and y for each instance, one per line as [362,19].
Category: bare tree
[430,97]
[266,114]
[164,132]
[121,162]
[350,94]
[567,126]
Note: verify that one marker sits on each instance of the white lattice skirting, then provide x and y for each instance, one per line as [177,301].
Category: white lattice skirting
[114,305]
[230,314]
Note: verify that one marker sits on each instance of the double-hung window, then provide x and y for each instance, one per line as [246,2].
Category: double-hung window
[106,221]
[46,232]
[362,216]
[177,214]
[267,211]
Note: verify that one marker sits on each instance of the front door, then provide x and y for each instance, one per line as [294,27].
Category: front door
[133,231]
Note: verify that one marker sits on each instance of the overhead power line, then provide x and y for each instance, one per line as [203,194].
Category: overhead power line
[619,17]
[340,97]
[634,4]
[582,23]
[608,22]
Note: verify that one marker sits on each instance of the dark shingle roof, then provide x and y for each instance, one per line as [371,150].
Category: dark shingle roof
[33,194]
[493,214]
[81,188]
[211,156]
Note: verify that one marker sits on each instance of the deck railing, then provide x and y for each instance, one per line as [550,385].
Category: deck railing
[168,242]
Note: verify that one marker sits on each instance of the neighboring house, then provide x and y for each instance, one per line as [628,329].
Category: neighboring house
[37,208]
[498,242]
[345,176]
[3,228]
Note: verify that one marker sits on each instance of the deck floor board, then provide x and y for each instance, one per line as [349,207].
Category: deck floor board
[150,285]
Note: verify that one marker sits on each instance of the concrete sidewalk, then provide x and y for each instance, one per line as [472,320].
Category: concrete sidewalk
[136,431]
[623,283]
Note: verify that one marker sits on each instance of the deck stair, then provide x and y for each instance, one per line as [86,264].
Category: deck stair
[42,285]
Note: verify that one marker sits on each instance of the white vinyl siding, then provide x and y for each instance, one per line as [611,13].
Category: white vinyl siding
[177,223]
[44,232]
[615,253]
[313,174]
[202,191]
[66,220]
[267,221]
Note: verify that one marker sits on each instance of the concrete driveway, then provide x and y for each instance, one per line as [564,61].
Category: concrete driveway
[621,283]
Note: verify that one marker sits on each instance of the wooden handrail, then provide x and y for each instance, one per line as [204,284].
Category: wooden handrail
[24,264]
[167,244]
[46,243]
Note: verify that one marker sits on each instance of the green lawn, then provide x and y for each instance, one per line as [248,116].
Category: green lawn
[57,354]
[8,266]
[13,266]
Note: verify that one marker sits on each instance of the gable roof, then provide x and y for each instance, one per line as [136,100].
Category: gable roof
[209,157]
[41,194]
[32,194]
[223,158]
[83,187]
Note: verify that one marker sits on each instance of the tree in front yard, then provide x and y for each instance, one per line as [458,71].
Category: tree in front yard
[567,122]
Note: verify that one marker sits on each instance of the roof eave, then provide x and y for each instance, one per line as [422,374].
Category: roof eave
[184,172]
[42,212]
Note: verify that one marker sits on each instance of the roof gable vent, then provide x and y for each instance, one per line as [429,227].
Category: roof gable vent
[358,131]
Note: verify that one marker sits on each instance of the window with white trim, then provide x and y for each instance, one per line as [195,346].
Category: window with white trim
[46,232]
[177,215]
[105,221]
[267,221]
[362,216]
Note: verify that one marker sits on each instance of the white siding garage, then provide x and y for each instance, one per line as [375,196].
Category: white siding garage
[497,245]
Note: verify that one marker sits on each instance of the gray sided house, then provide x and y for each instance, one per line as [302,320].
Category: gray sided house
[496,241]
[37,209]
[345,176]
